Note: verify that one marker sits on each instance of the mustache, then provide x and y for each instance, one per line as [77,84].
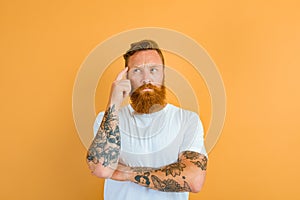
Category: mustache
[146,86]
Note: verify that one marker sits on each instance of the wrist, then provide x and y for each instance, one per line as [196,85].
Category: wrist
[129,176]
[113,104]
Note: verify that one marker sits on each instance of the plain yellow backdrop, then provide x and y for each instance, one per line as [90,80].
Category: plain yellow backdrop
[255,45]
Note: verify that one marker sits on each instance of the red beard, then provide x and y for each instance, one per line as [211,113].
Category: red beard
[148,101]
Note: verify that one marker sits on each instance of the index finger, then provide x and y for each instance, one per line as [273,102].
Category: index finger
[121,74]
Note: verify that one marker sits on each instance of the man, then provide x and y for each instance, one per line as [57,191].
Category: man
[148,149]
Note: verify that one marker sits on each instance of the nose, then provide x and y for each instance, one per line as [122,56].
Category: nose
[146,78]
[146,81]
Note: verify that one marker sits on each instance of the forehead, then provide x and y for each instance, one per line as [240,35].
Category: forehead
[144,57]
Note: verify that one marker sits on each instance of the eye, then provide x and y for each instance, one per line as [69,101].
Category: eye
[136,70]
[153,69]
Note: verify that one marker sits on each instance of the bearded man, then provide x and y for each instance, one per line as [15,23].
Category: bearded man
[148,149]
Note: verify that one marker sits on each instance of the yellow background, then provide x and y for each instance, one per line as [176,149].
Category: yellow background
[255,45]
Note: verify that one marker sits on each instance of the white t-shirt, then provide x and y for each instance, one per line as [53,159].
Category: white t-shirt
[153,140]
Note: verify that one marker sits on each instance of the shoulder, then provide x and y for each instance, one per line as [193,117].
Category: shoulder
[99,116]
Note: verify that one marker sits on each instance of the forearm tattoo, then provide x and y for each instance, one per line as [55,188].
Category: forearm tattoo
[105,147]
[169,185]
[174,169]
[171,175]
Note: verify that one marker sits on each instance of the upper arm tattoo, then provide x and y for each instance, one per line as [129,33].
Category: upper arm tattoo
[196,158]
[105,147]
[173,179]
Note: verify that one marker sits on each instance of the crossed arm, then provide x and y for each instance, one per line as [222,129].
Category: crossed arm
[186,175]
[103,153]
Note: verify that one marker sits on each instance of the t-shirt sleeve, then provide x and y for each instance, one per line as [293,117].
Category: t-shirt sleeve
[97,122]
[193,138]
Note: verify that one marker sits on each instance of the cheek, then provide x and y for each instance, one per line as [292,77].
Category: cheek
[135,83]
[159,79]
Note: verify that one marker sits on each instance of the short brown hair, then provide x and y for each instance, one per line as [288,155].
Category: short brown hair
[142,46]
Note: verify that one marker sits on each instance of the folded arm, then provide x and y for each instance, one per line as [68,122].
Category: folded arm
[103,154]
[186,175]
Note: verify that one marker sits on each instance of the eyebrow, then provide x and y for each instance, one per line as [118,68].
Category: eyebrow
[148,65]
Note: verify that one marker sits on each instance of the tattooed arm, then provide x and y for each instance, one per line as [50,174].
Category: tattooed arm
[103,154]
[186,175]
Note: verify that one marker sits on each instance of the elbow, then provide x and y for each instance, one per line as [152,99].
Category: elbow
[197,184]
[100,171]
[196,187]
